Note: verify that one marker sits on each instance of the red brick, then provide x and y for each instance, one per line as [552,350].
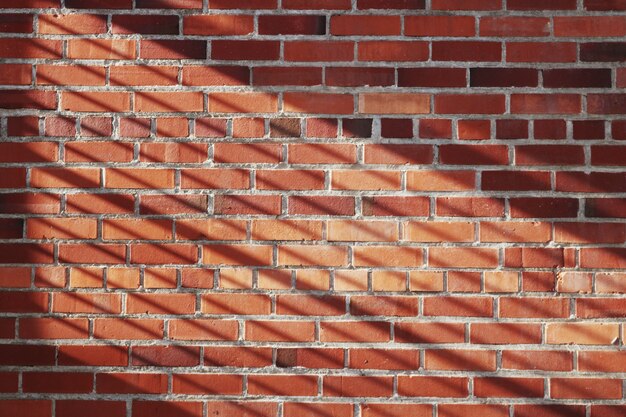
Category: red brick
[28,99]
[466,51]
[287,385]
[469,103]
[95,101]
[596,388]
[402,51]
[429,332]
[357,386]
[541,52]
[351,331]
[322,205]
[27,355]
[145,24]
[537,360]
[505,333]
[313,51]
[355,77]
[39,408]
[207,384]
[258,409]
[92,355]
[432,386]
[545,103]
[292,25]
[320,103]
[99,4]
[242,357]
[72,24]
[70,408]
[179,356]
[165,408]
[131,383]
[280,331]
[307,5]
[173,49]
[508,387]
[448,26]
[128,329]
[216,75]
[384,359]
[249,50]
[321,409]
[601,361]
[484,410]
[458,306]
[516,181]
[30,48]
[543,207]
[57,382]
[17,23]
[344,25]
[309,358]
[468,360]
[515,26]
[280,76]
[143,75]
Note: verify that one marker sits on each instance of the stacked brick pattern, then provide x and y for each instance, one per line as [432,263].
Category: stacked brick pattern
[336,208]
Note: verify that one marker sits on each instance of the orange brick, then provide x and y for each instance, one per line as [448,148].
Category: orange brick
[365,180]
[388,280]
[61,228]
[582,333]
[70,75]
[439,232]
[144,229]
[215,178]
[65,178]
[101,49]
[95,101]
[350,280]
[410,332]
[501,281]
[394,103]
[123,278]
[86,278]
[362,231]
[210,229]
[244,255]
[237,278]
[425,281]
[286,230]
[463,360]
[319,103]
[243,103]
[354,331]
[72,24]
[139,178]
[143,75]
[166,102]
[280,331]
[312,255]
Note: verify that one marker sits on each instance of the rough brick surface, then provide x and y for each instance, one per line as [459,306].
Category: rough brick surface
[336,208]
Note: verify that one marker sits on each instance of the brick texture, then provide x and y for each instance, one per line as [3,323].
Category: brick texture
[335,208]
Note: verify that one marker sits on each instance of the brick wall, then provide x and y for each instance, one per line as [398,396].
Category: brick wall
[334,208]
